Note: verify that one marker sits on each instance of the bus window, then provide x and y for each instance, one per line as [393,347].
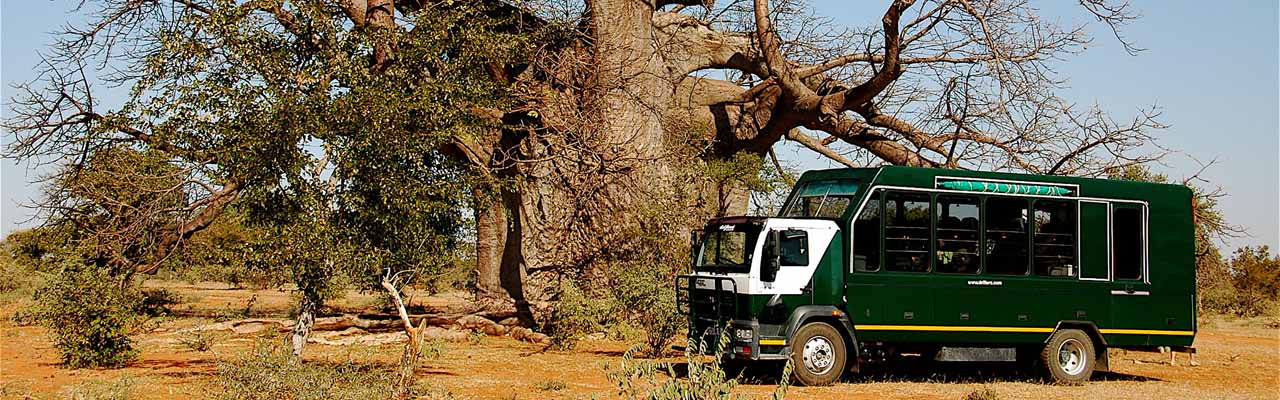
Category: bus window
[1126,242]
[866,236]
[1006,228]
[1055,238]
[957,235]
[906,232]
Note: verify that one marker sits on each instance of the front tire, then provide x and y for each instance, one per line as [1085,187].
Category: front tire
[818,354]
[1068,357]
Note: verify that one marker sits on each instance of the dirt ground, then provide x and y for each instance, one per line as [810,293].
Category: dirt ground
[1237,360]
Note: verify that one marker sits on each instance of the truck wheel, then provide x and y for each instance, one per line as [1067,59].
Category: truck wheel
[817,354]
[1068,357]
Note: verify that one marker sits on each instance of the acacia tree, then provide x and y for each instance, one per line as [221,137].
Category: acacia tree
[576,119]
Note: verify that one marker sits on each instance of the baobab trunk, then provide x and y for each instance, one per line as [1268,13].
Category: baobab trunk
[491,236]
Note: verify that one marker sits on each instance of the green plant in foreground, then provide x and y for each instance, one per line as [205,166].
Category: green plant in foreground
[90,315]
[705,378]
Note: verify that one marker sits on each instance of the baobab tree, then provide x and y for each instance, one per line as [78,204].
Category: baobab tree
[636,89]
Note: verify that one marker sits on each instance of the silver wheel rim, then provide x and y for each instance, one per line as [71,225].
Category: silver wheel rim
[1071,357]
[818,355]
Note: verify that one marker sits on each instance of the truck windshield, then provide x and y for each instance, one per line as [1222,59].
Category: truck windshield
[727,248]
[824,199]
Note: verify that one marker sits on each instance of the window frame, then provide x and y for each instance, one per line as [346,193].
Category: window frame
[884,229]
[807,256]
[986,219]
[1143,234]
[981,233]
[1074,206]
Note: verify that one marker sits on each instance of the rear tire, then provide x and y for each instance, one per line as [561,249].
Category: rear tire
[818,355]
[1068,357]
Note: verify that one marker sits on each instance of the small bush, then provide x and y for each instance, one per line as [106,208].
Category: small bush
[269,372]
[576,315]
[982,394]
[431,349]
[646,296]
[90,316]
[198,340]
[550,385]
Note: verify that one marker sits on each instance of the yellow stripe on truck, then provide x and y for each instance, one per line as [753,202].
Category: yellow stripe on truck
[1145,332]
[1015,329]
[934,328]
[773,342]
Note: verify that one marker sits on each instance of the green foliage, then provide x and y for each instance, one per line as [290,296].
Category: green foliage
[90,315]
[1253,285]
[577,314]
[645,295]
[269,372]
[705,377]
[17,282]
[36,249]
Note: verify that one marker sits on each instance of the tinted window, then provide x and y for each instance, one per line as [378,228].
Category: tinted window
[1055,238]
[906,232]
[957,250]
[794,249]
[866,236]
[1006,228]
[1126,237]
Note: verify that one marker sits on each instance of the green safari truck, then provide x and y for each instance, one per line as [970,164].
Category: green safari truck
[865,264]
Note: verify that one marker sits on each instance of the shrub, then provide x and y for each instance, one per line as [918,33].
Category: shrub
[90,315]
[646,296]
[550,385]
[705,379]
[576,315]
[198,340]
[269,371]
[982,394]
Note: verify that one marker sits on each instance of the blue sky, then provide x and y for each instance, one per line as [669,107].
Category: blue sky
[1212,67]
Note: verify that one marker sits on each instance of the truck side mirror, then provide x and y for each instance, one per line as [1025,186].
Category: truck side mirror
[772,251]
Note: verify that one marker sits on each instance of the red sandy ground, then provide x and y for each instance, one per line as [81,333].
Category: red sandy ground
[1237,360]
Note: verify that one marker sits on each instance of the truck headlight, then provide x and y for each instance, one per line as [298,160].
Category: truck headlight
[743,334]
